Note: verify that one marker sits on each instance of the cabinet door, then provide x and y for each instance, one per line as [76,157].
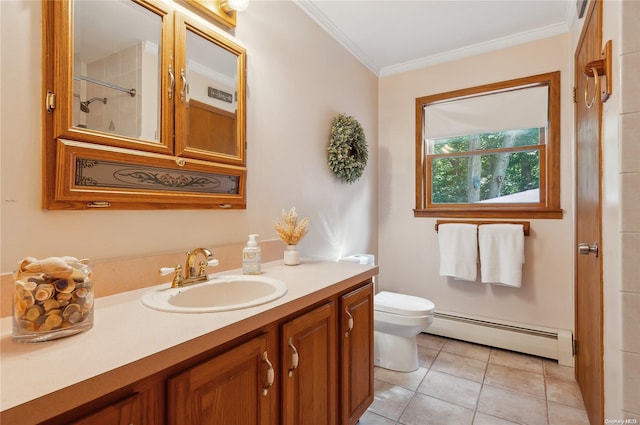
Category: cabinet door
[356,325]
[210,94]
[233,388]
[125,412]
[309,368]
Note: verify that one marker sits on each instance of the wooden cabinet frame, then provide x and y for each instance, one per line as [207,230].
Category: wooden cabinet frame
[163,175]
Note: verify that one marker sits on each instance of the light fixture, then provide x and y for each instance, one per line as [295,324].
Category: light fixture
[228,6]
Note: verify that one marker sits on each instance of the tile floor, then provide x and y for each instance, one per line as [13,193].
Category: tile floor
[467,384]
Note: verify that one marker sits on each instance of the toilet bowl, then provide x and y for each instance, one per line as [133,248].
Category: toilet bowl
[397,321]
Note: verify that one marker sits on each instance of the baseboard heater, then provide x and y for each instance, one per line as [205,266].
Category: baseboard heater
[535,340]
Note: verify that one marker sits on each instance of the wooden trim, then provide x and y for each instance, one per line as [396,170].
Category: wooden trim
[526,226]
[531,213]
[548,206]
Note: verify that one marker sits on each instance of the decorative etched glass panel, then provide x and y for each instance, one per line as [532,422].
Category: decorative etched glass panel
[111,174]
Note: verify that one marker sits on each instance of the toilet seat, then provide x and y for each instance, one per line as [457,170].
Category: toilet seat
[401,304]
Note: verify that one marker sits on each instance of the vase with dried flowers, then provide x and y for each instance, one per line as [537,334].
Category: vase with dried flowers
[291,232]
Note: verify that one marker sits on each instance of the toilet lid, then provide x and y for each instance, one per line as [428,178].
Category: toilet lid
[406,305]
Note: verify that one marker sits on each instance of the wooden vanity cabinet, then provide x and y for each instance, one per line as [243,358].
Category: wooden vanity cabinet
[125,412]
[356,379]
[313,366]
[309,368]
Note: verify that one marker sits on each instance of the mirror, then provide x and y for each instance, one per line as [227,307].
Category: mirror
[210,97]
[116,69]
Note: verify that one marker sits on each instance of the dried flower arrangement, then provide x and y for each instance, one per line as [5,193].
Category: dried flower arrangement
[289,229]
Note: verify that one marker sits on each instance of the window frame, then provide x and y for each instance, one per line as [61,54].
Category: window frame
[549,205]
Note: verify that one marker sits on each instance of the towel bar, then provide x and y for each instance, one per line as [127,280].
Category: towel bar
[526,225]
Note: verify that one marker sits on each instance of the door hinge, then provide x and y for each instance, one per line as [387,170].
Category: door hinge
[50,101]
[575,347]
[575,90]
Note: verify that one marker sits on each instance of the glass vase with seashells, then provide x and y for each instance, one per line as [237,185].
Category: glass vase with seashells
[53,298]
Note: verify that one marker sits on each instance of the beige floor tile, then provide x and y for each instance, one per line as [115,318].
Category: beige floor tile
[450,388]
[432,341]
[553,370]
[390,400]
[467,349]
[515,379]
[484,419]
[408,380]
[564,392]
[426,356]
[565,415]
[516,360]
[428,410]
[515,407]
[464,367]
[370,418]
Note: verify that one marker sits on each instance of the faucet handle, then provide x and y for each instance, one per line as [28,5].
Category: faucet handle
[203,265]
[167,270]
[177,279]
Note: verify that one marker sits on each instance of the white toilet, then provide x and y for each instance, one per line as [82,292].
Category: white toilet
[397,321]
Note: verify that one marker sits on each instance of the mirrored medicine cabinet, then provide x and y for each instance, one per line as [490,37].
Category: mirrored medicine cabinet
[144,108]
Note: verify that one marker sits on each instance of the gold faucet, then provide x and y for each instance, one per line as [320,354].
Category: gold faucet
[191,275]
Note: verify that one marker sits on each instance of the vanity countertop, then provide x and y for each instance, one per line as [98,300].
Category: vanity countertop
[130,341]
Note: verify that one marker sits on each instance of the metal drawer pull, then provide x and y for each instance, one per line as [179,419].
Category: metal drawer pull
[172,81]
[185,86]
[270,374]
[350,324]
[294,357]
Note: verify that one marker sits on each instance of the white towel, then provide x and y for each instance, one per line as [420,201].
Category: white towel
[501,253]
[458,244]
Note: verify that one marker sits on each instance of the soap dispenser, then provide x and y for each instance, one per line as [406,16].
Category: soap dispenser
[251,256]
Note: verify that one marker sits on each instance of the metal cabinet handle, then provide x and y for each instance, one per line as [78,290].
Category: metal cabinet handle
[172,81]
[294,357]
[586,249]
[185,86]
[350,323]
[270,374]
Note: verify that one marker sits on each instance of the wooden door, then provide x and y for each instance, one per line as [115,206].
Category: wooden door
[233,388]
[589,307]
[309,368]
[356,325]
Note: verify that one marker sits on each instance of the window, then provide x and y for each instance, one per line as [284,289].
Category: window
[490,151]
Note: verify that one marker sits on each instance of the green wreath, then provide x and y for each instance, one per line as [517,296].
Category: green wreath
[347,148]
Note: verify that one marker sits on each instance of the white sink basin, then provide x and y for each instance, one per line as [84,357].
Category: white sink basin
[220,293]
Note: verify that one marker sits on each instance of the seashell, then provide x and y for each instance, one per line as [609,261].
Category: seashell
[53,321]
[75,317]
[32,282]
[51,304]
[61,274]
[19,308]
[48,265]
[65,286]
[78,275]
[22,266]
[81,292]
[69,260]
[70,310]
[55,311]
[44,292]
[33,313]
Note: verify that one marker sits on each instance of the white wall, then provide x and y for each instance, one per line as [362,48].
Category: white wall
[409,258]
[298,79]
